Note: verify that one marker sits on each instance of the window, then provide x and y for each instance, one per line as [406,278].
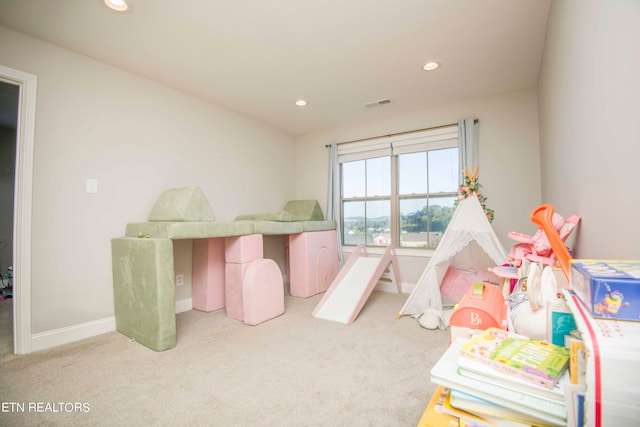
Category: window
[399,190]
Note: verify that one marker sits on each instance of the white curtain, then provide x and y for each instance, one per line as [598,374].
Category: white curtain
[333,196]
[468,130]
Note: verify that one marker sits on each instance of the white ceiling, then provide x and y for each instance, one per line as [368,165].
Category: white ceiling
[256,57]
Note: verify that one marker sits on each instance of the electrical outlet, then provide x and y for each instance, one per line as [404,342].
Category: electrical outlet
[179,280]
[92,185]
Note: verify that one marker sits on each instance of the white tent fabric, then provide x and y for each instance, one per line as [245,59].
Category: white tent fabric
[468,243]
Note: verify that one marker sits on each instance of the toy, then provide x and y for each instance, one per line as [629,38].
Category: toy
[482,307]
[528,303]
[610,289]
[610,305]
[537,244]
[543,216]
[539,247]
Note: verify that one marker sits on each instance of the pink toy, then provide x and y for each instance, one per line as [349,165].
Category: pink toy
[262,292]
[313,262]
[208,289]
[537,248]
[482,306]
[240,253]
[543,217]
[354,283]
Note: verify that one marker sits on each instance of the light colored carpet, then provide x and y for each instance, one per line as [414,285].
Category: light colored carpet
[294,370]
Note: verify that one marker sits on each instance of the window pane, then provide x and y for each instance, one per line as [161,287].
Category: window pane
[413,223]
[378,223]
[353,225]
[353,179]
[443,170]
[440,213]
[412,173]
[419,229]
[379,176]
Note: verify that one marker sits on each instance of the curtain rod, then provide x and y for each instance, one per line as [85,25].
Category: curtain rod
[396,134]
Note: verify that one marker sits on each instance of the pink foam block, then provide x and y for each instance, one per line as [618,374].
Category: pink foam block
[208,286]
[242,249]
[313,262]
[262,292]
[234,276]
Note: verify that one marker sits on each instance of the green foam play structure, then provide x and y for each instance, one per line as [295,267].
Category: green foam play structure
[304,210]
[143,265]
[144,290]
[182,204]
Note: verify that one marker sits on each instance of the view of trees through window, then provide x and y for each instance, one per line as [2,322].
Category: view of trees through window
[411,208]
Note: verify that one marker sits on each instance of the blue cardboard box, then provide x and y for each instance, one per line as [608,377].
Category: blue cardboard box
[609,288]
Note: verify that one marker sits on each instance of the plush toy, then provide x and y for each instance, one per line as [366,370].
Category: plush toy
[538,244]
[433,319]
[528,307]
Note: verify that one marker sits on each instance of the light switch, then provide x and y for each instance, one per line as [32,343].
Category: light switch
[92,186]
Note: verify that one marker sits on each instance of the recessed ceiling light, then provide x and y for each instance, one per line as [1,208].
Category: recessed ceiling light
[117,5]
[430,66]
[301,103]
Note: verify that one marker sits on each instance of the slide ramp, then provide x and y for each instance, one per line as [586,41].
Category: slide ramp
[348,293]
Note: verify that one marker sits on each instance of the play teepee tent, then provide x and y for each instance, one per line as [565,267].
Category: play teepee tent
[468,244]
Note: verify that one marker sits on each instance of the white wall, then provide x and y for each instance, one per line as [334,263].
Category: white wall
[136,138]
[589,89]
[509,158]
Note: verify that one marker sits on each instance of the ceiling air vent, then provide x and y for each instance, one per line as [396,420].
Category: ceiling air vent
[377,103]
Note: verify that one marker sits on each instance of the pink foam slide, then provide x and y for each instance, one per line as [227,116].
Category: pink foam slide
[351,288]
[313,262]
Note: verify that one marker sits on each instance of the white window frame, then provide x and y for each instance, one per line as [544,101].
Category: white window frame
[392,146]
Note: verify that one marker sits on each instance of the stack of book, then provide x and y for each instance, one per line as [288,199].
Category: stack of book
[501,379]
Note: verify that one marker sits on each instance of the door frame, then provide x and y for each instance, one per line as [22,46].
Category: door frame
[25,133]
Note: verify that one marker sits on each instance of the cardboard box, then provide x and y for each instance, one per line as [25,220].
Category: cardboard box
[609,288]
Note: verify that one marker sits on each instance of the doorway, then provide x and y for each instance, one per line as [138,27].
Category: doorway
[23,178]
[9,102]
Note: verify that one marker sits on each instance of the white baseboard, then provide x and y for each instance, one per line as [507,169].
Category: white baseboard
[407,288]
[184,305]
[56,337]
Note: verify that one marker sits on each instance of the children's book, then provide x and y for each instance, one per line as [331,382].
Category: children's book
[491,411]
[574,399]
[468,419]
[536,361]
[577,361]
[446,373]
[433,416]
[473,368]
[560,322]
